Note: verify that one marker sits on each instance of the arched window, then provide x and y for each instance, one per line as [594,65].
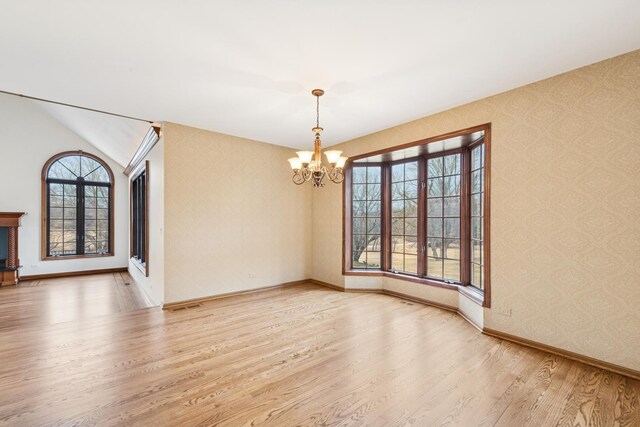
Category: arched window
[77,206]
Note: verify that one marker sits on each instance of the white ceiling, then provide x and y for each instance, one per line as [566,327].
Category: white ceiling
[246,68]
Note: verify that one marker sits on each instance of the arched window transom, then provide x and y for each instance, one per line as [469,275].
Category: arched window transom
[73,167]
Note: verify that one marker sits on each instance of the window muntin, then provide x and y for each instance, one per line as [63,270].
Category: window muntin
[74,167]
[404,217]
[96,219]
[366,209]
[444,219]
[78,203]
[62,219]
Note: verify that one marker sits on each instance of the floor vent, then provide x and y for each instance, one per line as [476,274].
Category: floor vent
[185,307]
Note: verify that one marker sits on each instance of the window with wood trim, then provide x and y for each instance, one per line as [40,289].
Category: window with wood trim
[366,213]
[443,217]
[140,217]
[477,216]
[429,220]
[404,217]
[77,196]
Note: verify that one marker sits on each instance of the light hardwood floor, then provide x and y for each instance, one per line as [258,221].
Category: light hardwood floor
[301,355]
[41,302]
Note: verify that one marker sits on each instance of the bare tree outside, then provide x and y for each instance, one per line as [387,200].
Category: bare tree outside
[366,213]
[78,189]
[404,217]
[443,216]
[477,216]
[442,190]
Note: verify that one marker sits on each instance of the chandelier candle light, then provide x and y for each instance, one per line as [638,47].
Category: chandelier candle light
[308,165]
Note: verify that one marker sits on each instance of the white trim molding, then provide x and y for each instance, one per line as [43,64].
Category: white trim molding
[149,141]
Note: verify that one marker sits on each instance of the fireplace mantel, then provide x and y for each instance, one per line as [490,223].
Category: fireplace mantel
[9,274]
[10,219]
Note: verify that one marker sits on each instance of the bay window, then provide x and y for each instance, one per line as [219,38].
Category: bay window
[419,212]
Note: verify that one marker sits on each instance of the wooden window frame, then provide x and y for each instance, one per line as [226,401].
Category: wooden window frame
[482,297]
[388,214]
[382,226]
[142,266]
[44,232]
[464,244]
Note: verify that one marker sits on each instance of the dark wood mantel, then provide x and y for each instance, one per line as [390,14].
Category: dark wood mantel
[9,274]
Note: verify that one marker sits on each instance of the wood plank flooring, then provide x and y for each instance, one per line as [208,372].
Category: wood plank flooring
[296,356]
[41,302]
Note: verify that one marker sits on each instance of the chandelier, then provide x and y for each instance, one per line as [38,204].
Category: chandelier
[308,165]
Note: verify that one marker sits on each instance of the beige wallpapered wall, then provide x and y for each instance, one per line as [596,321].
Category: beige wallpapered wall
[565,207]
[233,218]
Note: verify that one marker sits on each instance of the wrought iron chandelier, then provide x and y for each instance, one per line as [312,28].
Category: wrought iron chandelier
[308,165]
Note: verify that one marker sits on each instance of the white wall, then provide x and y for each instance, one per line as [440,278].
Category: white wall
[153,285]
[28,138]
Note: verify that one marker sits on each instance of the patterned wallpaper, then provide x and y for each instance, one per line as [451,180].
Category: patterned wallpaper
[233,218]
[565,202]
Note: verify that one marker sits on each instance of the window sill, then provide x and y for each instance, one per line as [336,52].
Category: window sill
[140,266]
[474,294]
[400,276]
[63,257]
[470,292]
[421,280]
[363,273]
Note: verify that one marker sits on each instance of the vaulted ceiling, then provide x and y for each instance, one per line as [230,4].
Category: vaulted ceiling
[117,137]
[246,68]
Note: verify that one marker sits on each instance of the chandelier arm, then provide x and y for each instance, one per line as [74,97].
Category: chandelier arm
[336,176]
[297,178]
[306,174]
